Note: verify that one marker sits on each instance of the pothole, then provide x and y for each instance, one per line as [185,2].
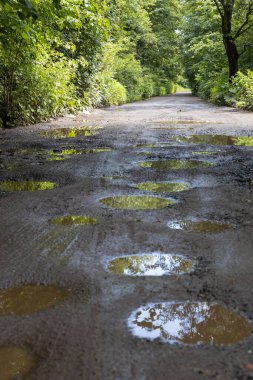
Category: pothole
[183,122]
[26,185]
[137,202]
[15,362]
[63,133]
[206,152]
[189,323]
[175,164]
[163,187]
[29,299]
[67,153]
[151,264]
[207,226]
[216,140]
[73,219]
[147,145]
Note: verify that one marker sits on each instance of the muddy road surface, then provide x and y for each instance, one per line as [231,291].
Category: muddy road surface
[126,244]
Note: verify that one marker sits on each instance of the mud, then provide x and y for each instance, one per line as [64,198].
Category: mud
[86,336]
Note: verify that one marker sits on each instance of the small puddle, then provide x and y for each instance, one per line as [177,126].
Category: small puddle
[64,133]
[29,299]
[67,153]
[15,362]
[189,323]
[137,202]
[200,226]
[152,264]
[73,219]
[148,145]
[206,153]
[26,185]
[216,140]
[163,187]
[183,122]
[175,164]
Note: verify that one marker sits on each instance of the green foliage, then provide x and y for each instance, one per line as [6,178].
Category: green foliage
[59,55]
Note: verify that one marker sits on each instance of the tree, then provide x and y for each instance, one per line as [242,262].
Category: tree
[239,13]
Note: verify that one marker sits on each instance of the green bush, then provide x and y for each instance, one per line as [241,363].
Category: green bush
[243,84]
[113,92]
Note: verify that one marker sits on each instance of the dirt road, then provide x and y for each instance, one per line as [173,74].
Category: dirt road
[81,327]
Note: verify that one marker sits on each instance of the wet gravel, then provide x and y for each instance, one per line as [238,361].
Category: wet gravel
[87,336]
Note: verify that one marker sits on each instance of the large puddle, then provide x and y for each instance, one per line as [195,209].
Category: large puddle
[28,299]
[207,226]
[67,153]
[74,220]
[137,202]
[175,164]
[15,363]
[216,140]
[64,133]
[163,187]
[152,264]
[189,323]
[26,185]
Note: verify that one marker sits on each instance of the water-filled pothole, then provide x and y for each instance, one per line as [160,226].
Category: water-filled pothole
[15,362]
[147,145]
[183,122]
[206,152]
[137,202]
[201,226]
[163,187]
[216,140]
[63,133]
[74,219]
[175,164]
[26,185]
[150,264]
[189,323]
[67,153]
[28,299]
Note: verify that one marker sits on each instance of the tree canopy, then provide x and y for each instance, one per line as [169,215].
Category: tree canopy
[61,56]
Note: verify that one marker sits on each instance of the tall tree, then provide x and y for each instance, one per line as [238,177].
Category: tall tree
[236,19]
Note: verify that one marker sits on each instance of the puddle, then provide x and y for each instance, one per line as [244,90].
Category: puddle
[15,362]
[152,264]
[165,129]
[144,153]
[26,185]
[64,133]
[67,153]
[148,145]
[216,140]
[200,226]
[74,219]
[186,122]
[137,202]
[189,323]
[163,187]
[29,299]
[175,164]
[206,153]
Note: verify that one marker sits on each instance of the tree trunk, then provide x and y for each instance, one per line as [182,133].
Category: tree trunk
[232,55]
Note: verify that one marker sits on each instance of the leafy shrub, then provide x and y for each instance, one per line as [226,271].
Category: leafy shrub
[243,84]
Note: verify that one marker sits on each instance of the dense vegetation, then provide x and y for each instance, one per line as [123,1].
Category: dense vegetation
[218,50]
[66,55]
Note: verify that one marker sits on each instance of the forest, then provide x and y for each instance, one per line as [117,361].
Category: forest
[59,56]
